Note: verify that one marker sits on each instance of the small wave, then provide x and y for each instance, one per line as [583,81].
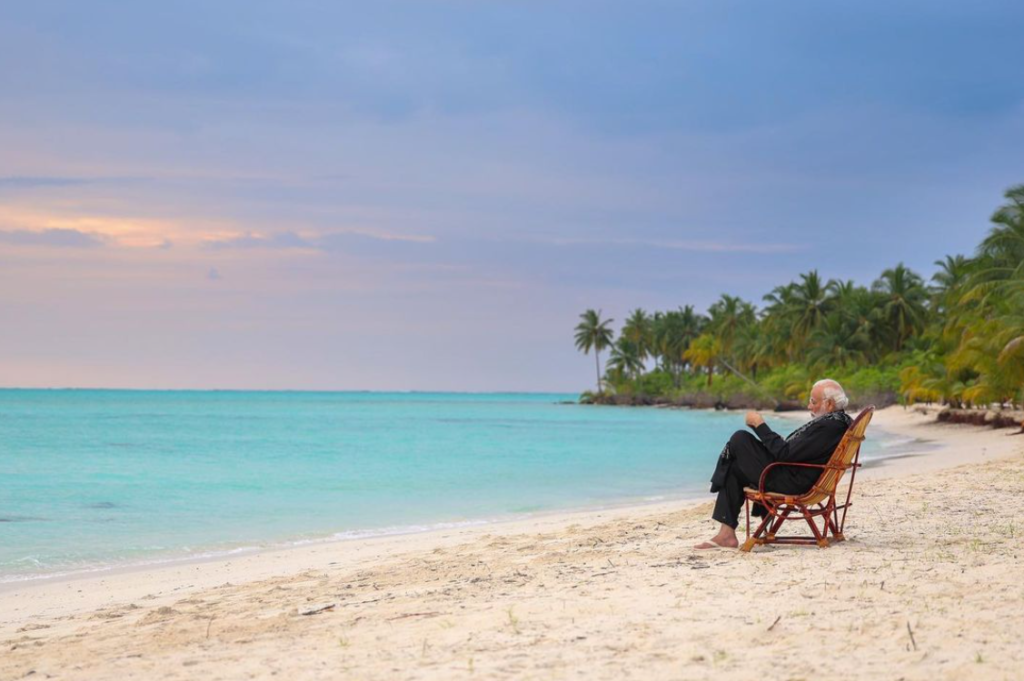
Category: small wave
[46,572]
[89,568]
[404,529]
[898,442]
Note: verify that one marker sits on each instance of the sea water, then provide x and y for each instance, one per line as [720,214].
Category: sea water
[92,479]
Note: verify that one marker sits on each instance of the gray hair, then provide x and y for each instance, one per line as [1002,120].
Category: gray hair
[833,391]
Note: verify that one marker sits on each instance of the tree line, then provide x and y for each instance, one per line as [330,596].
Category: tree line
[957,338]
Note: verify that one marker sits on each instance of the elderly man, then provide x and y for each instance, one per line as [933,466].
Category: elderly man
[745,457]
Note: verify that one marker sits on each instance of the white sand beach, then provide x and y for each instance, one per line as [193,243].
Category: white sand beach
[929,585]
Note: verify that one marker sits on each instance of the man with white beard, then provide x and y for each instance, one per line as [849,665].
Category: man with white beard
[746,456]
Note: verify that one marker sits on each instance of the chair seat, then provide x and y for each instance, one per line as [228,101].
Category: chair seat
[777,497]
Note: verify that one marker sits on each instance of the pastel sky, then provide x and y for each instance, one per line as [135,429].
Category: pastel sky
[425,195]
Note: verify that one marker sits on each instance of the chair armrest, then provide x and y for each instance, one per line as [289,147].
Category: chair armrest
[822,466]
[764,473]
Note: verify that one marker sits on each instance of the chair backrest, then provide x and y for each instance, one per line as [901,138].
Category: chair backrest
[842,458]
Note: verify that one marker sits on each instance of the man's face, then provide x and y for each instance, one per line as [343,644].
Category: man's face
[817,404]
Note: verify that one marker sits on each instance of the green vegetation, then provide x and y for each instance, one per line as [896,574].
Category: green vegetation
[958,339]
[593,333]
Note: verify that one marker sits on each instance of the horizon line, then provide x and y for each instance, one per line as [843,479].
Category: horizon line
[294,390]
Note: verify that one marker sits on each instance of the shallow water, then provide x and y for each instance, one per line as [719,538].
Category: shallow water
[94,479]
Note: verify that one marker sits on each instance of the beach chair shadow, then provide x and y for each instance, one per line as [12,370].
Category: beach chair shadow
[818,505]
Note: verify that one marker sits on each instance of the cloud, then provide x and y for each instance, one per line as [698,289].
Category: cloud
[57,238]
[375,245]
[330,242]
[213,274]
[24,182]
[280,241]
[684,245]
[15,182]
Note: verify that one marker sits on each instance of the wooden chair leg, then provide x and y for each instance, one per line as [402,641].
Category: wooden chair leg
[833,522]
[820,539]
[754,539]
[766,532]
[777,523]
[746,506]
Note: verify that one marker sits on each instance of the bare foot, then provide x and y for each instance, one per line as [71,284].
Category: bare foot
[725,539]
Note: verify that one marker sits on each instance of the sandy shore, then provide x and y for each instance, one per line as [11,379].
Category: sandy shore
[929,585]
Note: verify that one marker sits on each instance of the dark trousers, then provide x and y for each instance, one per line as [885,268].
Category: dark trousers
[749,458]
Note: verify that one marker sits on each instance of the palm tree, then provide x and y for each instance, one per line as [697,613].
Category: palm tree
[691,322]
[927,379]
[704,352]
[983,351]
[638,330]
[625,358]
[811,303]
[999,265]
[903,308]
[672,333]
[990,313]
[960,338]
[840,291]
[953,273]
[593,333]
[752,348]
[728,315]
[691,325]
[860,308]
[779,320]
[837,342]
[1002,251]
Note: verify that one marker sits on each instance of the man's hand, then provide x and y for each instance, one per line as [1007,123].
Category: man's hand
[754,419]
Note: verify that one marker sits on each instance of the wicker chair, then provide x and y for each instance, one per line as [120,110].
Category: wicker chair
[817,503]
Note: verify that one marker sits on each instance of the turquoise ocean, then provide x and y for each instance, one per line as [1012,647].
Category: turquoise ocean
[95,479]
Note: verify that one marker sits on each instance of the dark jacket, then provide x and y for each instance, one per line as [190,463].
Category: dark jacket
[812,442]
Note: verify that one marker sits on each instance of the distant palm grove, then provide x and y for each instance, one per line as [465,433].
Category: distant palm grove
[957,338]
